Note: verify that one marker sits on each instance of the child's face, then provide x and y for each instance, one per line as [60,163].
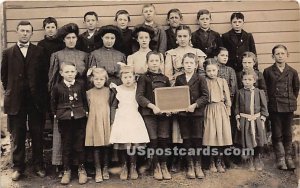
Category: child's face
[91,22]
[183,38]
[148,14]
[50,29]
[109,40]
[68,72]
[222,57]
[204,21]
[70,40]
[154,63]
[248,81]
[99,81]
[237,24]
[248,63]
[128,79]
[280,55]
[143,39]
[212,71]
[174,20]
[189,65]
[122,21]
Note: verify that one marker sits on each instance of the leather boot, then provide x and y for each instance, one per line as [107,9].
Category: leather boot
[124,172]
[157,174]
[98,176]
[219,165]
[258,163]
[165,172]
[190,170]
[281,165]
[251,165]
[290,163]
[212,166]
[66,178]
[198,170]
[133,173]
[82,176]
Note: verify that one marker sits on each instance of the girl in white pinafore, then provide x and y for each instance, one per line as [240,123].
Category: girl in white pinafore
[128,129]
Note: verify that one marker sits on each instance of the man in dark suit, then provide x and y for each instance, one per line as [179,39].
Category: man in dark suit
[24,79]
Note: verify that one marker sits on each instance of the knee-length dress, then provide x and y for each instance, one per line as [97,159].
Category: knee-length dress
[250,109]
[217,129]
[98,124]
[128,126]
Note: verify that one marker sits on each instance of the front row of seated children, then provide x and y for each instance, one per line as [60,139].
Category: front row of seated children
[114,118]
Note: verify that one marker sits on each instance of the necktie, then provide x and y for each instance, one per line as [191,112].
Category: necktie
[23,45]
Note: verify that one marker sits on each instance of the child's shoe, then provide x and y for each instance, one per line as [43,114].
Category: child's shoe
[212,166]
[82,176]
[157,174]
[133,173]
[198,170]
[124,172]
[165,172]
[105,173]
[258,163]
[290,163]
[66,178]
[191,170]
[220,166]
[281,165]
[251,165]
[98,176]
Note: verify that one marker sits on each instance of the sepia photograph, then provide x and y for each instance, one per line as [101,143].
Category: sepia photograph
[141,93]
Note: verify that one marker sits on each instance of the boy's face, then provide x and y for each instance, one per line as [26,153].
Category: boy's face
[212,71]
[70,40]
[50,29]
[154,63]
[183,38]
[109,40]
[122,21]
[237,24]
[174,20]
[189,65]
[143,39]
[99,81]
[204,21]
[248,63]
[222,57]
[24,33]
[68,72]
[148,13]
[128,79]
[280,55]
[248,81]
[90,22]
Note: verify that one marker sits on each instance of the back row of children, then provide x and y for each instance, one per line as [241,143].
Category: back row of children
[207,120]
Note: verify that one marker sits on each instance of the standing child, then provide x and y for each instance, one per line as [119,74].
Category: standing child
[205,38]
[250,113]
[129,120]
[122,19]
[217,130]
[100,98]
[69,105]
[160,37]
[191,121]
[283,89]
[87,41]
[108,57]
[157,124]
[174,19]
[237,41]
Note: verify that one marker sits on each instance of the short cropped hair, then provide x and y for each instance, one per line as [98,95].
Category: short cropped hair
[148,5]
[201,12]
[24,22]
[237,15]
[91,13]
[48,21]
[279,46]
[122,12]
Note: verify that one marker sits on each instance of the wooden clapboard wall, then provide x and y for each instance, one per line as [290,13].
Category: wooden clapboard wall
[271,22]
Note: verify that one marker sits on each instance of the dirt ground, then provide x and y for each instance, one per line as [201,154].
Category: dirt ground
[240,177]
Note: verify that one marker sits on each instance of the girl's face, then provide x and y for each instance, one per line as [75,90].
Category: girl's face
[90,22]
[122,21]
[148,13]
[154,63]
[189,65]
[204,21]
[50,29]
[280,55]
[143,39]
[174,20]
[99,81]
[212,71]
[248,81]
[183,38]
[109,40]
[248,63]
[223,57]
[128,79]
[237,24]
[70,40]
[68,72]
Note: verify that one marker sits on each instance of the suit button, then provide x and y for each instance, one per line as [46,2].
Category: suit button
[73,105]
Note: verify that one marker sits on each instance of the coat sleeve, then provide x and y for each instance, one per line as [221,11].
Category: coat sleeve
[141,92]
[54,100]
[4,69]
[233,83]
[53,71]
[263,104]
[252,47]
[203,100]
[162,41]
[295,84]
[113,105]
